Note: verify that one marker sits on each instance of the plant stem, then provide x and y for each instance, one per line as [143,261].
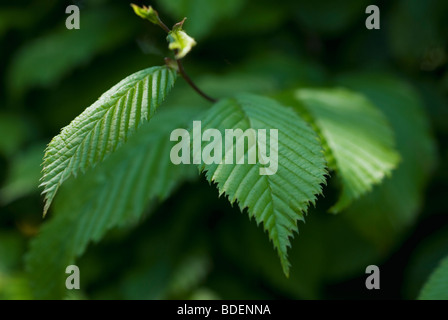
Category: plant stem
[191,83]
[163,26]
[182,70]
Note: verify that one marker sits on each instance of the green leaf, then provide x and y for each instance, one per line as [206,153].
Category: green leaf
[436,288]
[163,268]
[179,41]
[359,140]
[386,213]
[115,194]
[104,126]
[280,199]
[303,282]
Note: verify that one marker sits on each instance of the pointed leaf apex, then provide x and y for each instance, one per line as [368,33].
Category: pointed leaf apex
[178,26]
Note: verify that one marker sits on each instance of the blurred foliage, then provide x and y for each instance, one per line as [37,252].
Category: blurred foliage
[47,59]
[195,245]
[437,286]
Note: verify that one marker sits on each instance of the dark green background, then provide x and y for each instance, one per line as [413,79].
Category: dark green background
[196,245]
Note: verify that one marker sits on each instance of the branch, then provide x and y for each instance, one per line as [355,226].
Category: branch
[150,14]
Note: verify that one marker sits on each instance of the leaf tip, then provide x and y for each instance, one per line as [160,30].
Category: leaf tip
[285,266]
[46,207]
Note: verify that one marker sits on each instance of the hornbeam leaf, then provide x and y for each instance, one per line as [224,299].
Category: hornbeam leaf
[280,199]
[392,207]
[104,126]
[360,142]
[117,193]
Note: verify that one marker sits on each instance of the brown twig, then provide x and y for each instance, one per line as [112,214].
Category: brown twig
[191,83]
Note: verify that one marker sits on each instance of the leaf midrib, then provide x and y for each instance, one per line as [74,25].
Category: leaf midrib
[112,104]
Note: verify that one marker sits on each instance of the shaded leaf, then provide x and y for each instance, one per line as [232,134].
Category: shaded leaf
[360,142]
[115,194]
[436,288]
[392,207]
